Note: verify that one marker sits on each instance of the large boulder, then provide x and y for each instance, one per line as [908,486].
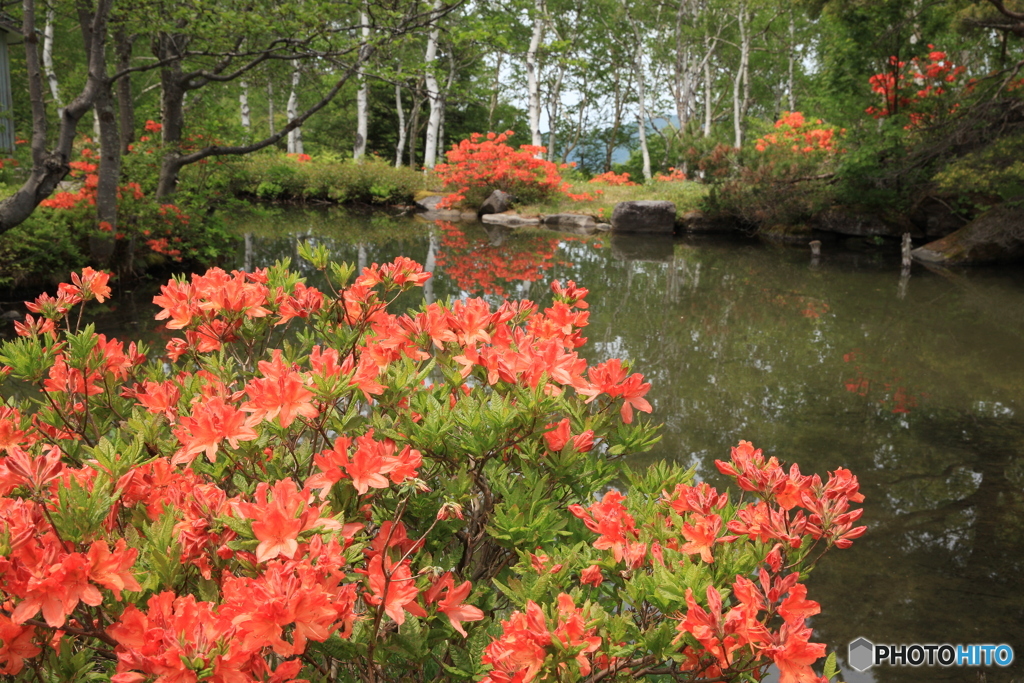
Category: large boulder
[645,215]
[996,236]
[498,202]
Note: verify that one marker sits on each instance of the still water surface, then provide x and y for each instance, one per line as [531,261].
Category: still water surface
[916,385]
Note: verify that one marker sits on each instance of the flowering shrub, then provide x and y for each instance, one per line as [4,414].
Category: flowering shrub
[481,164]
[611,178]
[779,188]
[798,135]
[674,175]
[308,486]
[914,86]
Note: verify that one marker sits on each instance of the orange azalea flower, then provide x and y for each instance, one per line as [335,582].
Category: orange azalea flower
[211,422]
[608,517]
[281,393]
[701,536]
[394,586]
[18,645]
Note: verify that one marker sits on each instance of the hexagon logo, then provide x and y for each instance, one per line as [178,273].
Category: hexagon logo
[861,654]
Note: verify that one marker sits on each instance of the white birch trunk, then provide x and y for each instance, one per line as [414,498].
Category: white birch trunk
[51,75]
[243,101]
[433,92]
[532,79]
[790,85]
[708,88]
[400,145]
[554,110]
[641,96]
[295,135]
[738,90]
[363,94]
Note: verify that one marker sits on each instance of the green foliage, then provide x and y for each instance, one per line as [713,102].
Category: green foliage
[995,171]
[275,176]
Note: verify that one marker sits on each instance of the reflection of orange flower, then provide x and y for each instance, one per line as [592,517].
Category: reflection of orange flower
[477,266]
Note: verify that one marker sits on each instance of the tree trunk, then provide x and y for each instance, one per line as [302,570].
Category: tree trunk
[173,119]
[433,94]
[51,75]
[400,145]
[641,95]
[294,135]
[125,102]
[738,89]
[270,107]
[109,176]
[554,106]
[50,167]
[363,94]
[494,92]
[243,105]
[532,68]
[414,126]
[708,89]
[790,82]
[616,124]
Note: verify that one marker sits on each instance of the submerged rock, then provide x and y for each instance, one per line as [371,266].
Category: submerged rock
[569,220]
[645,215]
[510,219]
[996,236]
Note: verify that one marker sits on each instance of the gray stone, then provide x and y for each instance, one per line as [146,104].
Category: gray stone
[645,215]
[498,202]
[510,219]
[569,220]
[996,236]
[429,203]
[445,216]
[850,222]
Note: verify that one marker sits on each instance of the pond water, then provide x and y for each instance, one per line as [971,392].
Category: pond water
[915,384]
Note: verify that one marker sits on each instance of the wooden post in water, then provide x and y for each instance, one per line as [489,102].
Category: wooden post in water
[901,291]
[815,253]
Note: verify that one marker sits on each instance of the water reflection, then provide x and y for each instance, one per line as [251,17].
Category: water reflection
[840,360]
[916,384]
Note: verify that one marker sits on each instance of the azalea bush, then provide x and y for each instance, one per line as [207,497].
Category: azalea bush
[782,181]
[612,178]
[479,165]
[305,485]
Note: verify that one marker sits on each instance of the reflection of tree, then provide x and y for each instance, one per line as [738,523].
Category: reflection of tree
[489,261]
[944,548]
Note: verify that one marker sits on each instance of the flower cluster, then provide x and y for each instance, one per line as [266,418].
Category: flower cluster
[798,135]
[674,175]
[308,483]
[481,164]
[908,85]
[611,178]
